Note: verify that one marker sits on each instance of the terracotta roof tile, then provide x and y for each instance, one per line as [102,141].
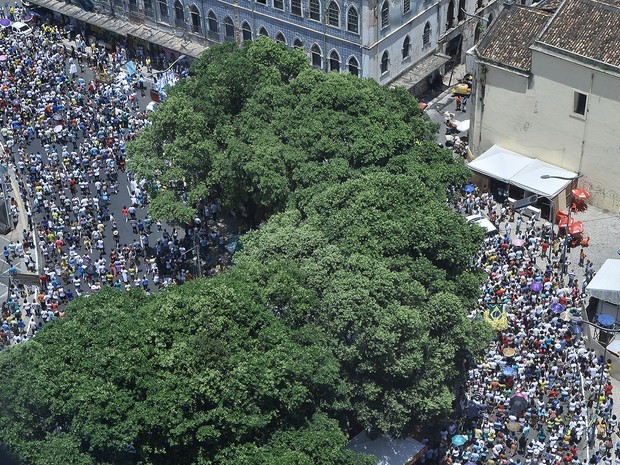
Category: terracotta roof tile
[590,28]
[509,38]
[549,5]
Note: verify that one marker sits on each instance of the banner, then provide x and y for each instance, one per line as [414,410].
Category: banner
[131,68]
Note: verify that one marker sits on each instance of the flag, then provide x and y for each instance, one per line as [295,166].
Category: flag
[496,318]
[131,68]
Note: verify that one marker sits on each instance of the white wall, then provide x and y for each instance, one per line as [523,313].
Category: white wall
[536,118]
[376,41]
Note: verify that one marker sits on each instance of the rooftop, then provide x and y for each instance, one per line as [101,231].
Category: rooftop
[510,37]
[549,5]
[586,28]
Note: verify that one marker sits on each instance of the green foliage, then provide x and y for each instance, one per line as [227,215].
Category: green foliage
[191,373]
[258,126]
[347,306]
[397,325]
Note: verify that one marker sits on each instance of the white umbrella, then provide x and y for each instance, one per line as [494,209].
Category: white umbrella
[463,126]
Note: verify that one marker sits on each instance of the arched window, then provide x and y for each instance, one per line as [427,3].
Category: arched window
[263,32]
[196,22]
[296,7]
[461,10]
[280,38]
[406,6]
[426,37]
[406,47]
[354,66]
[490,19]
[385,62]
[450,15]
[353,20]
[229,29]
[385,15]
[179,16]
[246,31]
[480,4]
[315,10]
[297,43]
[333,14]
[316,56]
[163,10]
[213,29]
[334,61]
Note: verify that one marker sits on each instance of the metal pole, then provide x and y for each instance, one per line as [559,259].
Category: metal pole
[565,248]
[197,247]
[552,222]
[600,384]
[601,378]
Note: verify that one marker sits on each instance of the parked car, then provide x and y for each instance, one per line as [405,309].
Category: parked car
[21,29]
[483,222]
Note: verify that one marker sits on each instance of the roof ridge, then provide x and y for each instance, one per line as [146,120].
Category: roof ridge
[609,3]
[513,32]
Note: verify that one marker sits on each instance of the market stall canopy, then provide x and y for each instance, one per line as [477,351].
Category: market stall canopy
[521,171]
[387,450]
[606,282]
[463,126]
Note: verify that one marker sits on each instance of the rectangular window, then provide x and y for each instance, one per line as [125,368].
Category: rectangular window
[148,8]
[315,10]
[278,4]
[579,104]
[262,2]
[407,6]
[163,10]
[296,7]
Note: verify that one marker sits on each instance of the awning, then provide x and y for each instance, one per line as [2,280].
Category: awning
[387,450]
[421,70]
[123,27]
[522,171]
[605,284]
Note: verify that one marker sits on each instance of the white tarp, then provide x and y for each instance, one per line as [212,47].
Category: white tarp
[522,171]
[387,450]
[606,282]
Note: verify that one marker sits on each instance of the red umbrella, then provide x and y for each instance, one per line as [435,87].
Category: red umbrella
[579,193]
[559,215]
[565,221]
[576,228]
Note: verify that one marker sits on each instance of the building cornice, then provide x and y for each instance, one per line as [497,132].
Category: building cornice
[575,58]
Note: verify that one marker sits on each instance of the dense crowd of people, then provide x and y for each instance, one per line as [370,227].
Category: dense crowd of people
[533,396]
[530,400]
[65,134]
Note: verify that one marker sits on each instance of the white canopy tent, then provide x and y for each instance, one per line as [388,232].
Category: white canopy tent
[606,283]
[522,171]
[387,450]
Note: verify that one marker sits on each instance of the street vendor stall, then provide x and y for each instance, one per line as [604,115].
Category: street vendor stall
[388,450]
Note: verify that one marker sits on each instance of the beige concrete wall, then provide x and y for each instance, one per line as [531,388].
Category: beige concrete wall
[536,118]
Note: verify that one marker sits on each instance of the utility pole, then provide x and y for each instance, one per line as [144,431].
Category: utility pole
[197,223]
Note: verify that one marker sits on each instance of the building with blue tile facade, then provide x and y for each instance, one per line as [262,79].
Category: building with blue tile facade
[385,40]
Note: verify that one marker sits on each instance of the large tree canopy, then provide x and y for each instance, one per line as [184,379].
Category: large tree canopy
[201,374]
[346,309]
[256,124]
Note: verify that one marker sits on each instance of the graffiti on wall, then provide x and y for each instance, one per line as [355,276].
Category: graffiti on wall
[601,196]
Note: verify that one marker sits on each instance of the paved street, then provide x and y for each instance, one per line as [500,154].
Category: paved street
[65,148]
[602,227]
